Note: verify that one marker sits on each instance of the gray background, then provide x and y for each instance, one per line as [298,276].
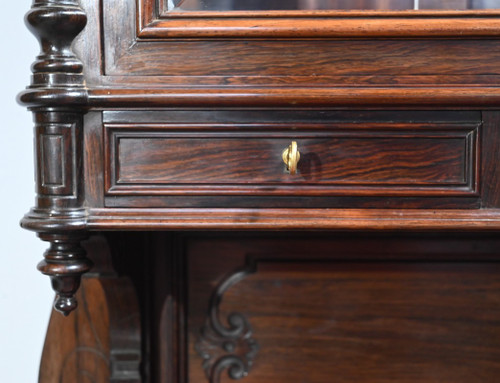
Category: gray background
[25,294]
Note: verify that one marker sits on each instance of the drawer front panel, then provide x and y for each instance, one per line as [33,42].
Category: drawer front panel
[340,160]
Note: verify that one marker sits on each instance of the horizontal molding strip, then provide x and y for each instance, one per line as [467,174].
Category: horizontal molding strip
[321,26]
[459,97]
[293,219]
[100,98]
[333,13]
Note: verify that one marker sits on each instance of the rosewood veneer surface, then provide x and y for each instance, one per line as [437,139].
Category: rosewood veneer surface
[186,245]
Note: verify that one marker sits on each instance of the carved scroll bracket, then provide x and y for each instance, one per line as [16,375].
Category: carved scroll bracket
[228,347]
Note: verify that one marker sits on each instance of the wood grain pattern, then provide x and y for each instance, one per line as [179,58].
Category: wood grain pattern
[304,23]
[293,219]
[378,264]
[291,116]
[303,27]
[282,202]
[309,58]
[357,159]
[362,308]
[377,323]
[101,342]
[344,154]
[491,158]
[322,49]
[456,98]
[93,159]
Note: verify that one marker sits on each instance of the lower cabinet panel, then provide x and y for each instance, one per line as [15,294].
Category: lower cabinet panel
[342,310]
[282,308]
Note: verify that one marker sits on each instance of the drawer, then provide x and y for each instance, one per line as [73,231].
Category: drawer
[341,160]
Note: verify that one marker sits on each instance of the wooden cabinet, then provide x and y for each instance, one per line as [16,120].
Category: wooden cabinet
[295,192]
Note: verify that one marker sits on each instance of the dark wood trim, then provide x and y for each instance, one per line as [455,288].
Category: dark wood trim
[93,159]
[59,216]
[65,262]
[293,219]
[309,27]
[454,97]
[336,97]
[102,340]
[236,132]
[490,185]
[339,13]
[154,22]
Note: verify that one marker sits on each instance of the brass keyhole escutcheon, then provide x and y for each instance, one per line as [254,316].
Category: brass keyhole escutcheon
[291,157]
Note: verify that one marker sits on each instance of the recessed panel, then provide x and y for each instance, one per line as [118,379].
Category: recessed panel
[343,323]
[52,149]
[347,308]
[331,160]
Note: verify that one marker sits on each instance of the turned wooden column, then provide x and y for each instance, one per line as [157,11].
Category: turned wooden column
[57,97]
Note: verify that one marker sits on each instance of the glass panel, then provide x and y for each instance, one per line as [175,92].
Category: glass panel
[262,5]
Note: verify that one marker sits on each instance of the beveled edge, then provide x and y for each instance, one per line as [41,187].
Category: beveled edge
[329,28]
[340,13]
[155,23]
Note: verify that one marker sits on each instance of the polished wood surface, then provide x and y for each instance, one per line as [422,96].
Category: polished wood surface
[365,322]
[160,179]
[102,341]
[345,156]
[293,219]
[352,307]
[369,159]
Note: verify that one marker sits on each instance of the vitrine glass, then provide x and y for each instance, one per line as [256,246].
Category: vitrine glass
[255,5]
